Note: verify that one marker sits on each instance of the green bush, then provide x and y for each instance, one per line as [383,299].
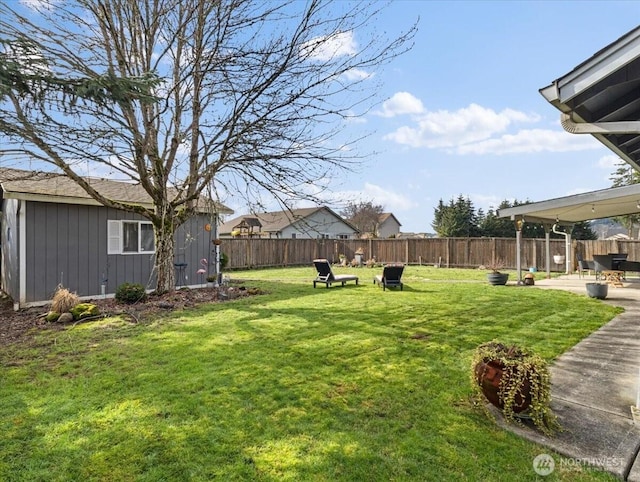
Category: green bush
[130,293]
[52,316]
[224,260]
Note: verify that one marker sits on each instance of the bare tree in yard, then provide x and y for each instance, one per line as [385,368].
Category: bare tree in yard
[364,215]
[183,95]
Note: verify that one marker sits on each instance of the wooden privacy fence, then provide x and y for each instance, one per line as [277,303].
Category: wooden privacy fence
[444,252]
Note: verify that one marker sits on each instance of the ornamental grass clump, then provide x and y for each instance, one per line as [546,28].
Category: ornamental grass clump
[63,300]
[517,382]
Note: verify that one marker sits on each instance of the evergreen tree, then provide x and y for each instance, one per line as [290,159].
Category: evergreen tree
[457,219]
[625,175]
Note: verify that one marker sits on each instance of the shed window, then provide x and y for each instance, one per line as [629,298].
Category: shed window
[129,237]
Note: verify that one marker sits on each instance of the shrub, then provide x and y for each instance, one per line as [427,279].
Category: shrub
[63,300]
[130,293]
[224,261]
[52,316]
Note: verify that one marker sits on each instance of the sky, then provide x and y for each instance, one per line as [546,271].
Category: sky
[461,113]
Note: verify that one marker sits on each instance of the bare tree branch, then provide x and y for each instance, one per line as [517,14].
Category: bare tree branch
[187,97]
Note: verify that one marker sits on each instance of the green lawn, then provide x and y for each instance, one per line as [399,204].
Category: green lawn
[347,383]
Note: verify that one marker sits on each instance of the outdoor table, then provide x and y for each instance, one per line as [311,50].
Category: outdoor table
[613,277]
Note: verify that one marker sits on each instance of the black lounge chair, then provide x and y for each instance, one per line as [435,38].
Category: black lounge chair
[326,276]
[391,276]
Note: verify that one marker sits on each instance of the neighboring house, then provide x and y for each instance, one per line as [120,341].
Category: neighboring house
[305,223]
[53,233]
[388,226]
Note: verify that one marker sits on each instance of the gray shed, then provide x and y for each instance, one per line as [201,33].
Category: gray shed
[52,232]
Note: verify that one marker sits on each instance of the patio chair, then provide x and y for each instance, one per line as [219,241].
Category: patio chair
[326,276]
[602,262]
[391,277]
[587,265]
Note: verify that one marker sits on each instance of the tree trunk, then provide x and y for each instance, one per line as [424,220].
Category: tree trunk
[165,244]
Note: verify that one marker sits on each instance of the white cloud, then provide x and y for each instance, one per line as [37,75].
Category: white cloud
[401,103]
[329,47]
[392,201]
[531,140]
[39,5]
[610,162]
[357,74]
[485,202]
[446,129]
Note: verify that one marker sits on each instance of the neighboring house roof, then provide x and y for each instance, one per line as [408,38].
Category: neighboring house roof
[275,222]
[55,187]
[249,222]
[384,217]
[617,237]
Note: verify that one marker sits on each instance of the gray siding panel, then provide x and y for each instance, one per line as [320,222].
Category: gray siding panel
[67,243]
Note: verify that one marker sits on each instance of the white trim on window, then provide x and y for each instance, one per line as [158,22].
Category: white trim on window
[116,234]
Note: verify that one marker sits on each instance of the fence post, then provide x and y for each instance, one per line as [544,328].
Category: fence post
[406,251]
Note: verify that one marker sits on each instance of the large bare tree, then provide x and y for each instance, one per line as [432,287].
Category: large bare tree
[364,215]
[184,95]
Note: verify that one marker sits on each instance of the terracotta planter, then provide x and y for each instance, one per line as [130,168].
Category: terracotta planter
[497,278]
[489,375]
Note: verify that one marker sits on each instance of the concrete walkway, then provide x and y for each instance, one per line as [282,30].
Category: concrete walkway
[594,387]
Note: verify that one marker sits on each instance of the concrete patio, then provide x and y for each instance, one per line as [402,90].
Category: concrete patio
[594,387]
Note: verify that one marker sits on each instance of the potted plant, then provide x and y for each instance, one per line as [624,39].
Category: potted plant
[495,277]
[597,290]
[559,258]
[515,381]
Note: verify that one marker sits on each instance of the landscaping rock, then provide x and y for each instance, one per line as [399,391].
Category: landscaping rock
[65,318]
[84,310]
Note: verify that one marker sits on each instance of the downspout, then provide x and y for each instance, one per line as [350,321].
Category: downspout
[567,247]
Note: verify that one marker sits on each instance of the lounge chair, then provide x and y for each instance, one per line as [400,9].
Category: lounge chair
[391,276]
[326,276]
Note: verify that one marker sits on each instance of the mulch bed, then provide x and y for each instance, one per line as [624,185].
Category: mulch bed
[16,326]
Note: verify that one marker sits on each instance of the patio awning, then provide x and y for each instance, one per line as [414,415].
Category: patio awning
[605,203]
[601,97]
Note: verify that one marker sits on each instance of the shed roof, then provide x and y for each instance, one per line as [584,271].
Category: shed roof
[55,187]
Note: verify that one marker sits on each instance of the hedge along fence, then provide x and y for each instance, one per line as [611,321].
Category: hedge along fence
[444,252]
